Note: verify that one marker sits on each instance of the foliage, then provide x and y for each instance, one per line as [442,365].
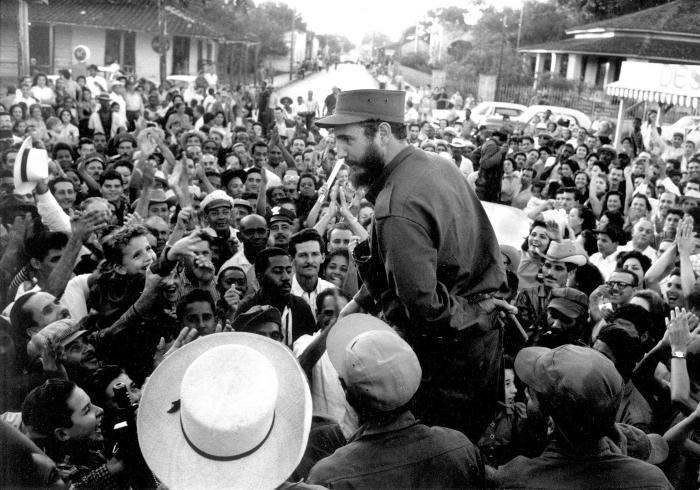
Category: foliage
[592,10]
[417,61]
[379,39]
[335,43]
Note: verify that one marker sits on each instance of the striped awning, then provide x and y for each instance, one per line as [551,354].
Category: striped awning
[656,82]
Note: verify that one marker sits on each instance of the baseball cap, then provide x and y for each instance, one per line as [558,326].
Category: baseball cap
[280,213]
[256,315]
[569,301]
[243,203]
[381,369]
[61,332]
[573,380]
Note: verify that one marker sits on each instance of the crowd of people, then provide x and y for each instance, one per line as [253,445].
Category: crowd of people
[148,231]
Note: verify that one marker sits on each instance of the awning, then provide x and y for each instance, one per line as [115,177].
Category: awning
[656,82]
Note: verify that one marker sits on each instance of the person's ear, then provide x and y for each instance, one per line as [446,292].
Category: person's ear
[383,133]
[61,434]
[120,269]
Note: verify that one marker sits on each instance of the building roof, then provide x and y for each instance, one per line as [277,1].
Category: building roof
[622,46]
[679,17]
[128,15]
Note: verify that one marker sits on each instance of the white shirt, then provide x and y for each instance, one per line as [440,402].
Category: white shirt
[606,265]
[649,251]
[310,298]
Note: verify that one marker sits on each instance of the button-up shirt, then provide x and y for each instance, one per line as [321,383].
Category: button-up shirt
[310,297]
[606,265]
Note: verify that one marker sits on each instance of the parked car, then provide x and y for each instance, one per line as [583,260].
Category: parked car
[490,114]
[576,118]
[687,125]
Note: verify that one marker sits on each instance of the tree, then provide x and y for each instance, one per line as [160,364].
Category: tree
[377,38]
[593,10]
[336,43]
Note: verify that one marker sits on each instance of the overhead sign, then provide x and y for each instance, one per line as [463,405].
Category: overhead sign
[658,82]
[81,53]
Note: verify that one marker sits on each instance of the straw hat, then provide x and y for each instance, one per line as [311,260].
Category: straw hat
[31,166]
[229,410]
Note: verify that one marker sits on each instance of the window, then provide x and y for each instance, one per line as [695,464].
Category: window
[40,46]
[181,55]
[113,40]
[120,46]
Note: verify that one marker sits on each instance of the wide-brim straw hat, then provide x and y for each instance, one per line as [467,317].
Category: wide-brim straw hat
[181,461]
[31,166]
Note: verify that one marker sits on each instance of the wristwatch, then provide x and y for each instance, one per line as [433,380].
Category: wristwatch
[677,354]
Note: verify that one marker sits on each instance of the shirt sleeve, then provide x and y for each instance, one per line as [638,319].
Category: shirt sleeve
[51,213]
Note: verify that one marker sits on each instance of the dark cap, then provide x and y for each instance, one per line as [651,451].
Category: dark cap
[103,96]
[356,106]
[257,315]
[94,156]
[572,380]
[280,213]
[569,301]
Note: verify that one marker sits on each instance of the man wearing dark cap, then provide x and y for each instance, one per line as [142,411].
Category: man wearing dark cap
[488,159]
[579,390]
[607,239]
[262,320]
[432,261]
[567,315]
[281,222]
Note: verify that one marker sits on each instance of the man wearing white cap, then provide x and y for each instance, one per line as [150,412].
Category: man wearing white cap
[380,374]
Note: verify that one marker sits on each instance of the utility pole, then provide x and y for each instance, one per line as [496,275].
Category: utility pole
[292,36]
[23,67]
[162,28]
[520,26]
[500,56]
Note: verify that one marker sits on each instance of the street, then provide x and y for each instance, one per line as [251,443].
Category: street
[348,76]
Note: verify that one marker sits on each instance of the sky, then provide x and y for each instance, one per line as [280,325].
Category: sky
[354,18]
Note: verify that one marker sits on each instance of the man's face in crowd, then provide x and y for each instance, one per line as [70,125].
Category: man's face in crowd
[274,156]
[210,147]
[85,417]
[616,176]
[565,201]
[94,169]
[638,206]
[557,320]
[100,142]
[45,309]
[643,233]
[235,187]
[253,233]
[194,152]
[688,148]
[112,189]
[674,292]
[252,183]
[6,122]
[280,233]
[677,140]
[277,278]
[219,218]
[328,313]
[159,229]
[666,202]
[298,145]
[620,287]
[605,245]
[361,155]
[290,189]
[260,155]
[125,148]
[209,162]
[125,172]
[233,278]
[671,222]
[81,353]
[200,316]
[554,274]
[64,192]
[413,132]
[86,149]
[64,159]
[693,169]
[308,259]
[159,209]
[339,239]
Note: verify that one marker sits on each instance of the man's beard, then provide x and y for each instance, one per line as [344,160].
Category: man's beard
[365,171]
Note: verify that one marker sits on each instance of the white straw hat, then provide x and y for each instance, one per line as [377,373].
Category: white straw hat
[229,410]
[31,165]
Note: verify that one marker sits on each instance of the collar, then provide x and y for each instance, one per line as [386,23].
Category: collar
[404,420]
[378,185]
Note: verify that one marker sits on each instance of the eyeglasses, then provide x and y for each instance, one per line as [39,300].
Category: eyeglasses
[617,284]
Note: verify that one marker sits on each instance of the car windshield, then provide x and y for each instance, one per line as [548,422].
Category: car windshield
[507,111]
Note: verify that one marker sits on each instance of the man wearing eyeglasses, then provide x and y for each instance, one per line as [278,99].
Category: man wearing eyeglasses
[608,297]
[432,262]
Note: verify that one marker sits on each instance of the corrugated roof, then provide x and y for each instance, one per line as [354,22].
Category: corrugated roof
[681,16]
[629,47]
[128,15]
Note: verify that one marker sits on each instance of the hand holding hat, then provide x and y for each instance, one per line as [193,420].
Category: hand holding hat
[31,167]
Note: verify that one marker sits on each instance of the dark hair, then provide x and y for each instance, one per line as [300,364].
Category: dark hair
[62,146]
[113,245]
[635,314]
[587,278]
[626,347]
[262,259]
[38,246]
[644,261]
[98,381]
[110,175]
[635,279]
[614,218]
[45,408]
[586,214]
[320,298]
[123,162]
[305,235]
[258,144]
[646,200]
[534,225]
[22,319]
[370,128]
[657,313]
[194,296]
[307,175]
[612,193]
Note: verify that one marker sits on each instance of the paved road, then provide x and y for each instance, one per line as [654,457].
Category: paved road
[347,77]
